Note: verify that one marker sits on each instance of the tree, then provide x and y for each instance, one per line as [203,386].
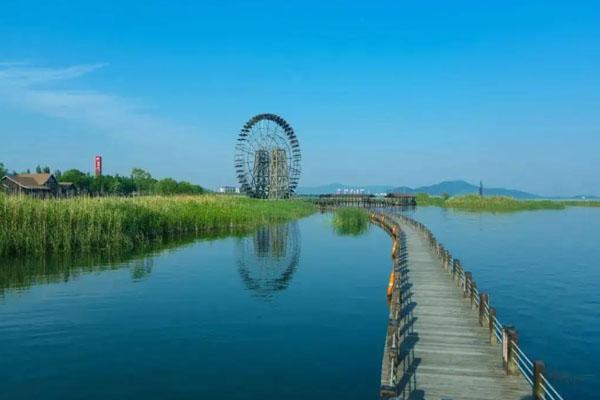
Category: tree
[79,179]
[188,188]
[445,196]
[3,170]
[142,180]
[166,186]
[46,169]
[38,170]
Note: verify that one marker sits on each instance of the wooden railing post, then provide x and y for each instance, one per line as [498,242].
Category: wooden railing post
[538,386]
[468,279]
[455,265]
[492,326]
[484,301]
[473,293]
[509,340]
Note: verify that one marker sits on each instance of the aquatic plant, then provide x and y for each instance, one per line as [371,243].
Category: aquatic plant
[350,221]
[64,226]
[499,203]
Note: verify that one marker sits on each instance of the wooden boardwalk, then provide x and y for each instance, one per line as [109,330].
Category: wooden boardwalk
[435,346]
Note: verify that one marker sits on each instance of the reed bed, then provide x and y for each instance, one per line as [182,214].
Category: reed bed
[499,203]
[350,221]
[79,225]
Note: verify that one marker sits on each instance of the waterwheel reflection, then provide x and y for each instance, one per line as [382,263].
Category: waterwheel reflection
[268,258]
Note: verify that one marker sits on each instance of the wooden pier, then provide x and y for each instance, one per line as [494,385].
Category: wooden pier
[443,340]
[365,201]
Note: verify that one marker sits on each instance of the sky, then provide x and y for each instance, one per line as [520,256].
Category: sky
[378,92]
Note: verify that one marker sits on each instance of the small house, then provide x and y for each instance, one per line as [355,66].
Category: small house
[40,186]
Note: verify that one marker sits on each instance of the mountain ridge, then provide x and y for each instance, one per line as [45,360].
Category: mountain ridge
[451,187]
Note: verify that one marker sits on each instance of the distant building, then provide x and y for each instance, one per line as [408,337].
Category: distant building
[229,190]
[37,185]
[98,165]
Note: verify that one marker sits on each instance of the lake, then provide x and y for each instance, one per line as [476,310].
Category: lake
[290,311]
[542,270]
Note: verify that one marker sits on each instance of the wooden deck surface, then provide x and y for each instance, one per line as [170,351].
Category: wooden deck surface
[444,352]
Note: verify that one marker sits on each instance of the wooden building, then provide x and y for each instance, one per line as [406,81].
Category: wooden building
[37,185]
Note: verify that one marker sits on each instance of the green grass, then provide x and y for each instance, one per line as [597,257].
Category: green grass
[423,199]
[499,203]
[80,225]
[350,221]
[581,203]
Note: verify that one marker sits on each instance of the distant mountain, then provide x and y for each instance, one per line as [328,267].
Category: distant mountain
[453,188]
[460,187]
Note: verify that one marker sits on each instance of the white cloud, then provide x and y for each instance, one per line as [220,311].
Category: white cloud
[30,87]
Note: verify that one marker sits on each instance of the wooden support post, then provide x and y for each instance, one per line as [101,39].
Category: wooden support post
[468,280]
[484,302]
[538,386]
[387,392]
[509,340]
[473,293]
[455,265]
[492,326]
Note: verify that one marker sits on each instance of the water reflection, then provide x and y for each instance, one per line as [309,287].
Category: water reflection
[20,273]
[268,259]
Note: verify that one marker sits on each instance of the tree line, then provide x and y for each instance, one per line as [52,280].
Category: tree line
[139,182]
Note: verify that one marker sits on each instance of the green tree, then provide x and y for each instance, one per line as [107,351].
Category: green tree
[445,196]
[38,169]
[3,170]
[188,188]
[142,180]
[116,188]
[166,186]
[79,179]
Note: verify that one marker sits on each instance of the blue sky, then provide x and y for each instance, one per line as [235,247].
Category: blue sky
[401,93]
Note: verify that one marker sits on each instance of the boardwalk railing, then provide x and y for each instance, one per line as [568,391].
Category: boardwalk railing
[514,359]
[364,201]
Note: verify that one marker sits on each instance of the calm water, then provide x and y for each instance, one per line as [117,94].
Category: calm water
[293,311]
[542,270]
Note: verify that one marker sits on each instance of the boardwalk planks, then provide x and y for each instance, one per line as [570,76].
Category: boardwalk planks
[436,347]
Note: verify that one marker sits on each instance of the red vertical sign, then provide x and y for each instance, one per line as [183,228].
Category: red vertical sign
[98,165]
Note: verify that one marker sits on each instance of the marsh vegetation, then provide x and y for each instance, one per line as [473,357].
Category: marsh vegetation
[350,221]
[113,224]
[498,203]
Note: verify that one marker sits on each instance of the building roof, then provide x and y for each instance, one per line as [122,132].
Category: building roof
[31,181]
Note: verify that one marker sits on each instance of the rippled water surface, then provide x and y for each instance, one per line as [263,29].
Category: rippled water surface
[291,311]
[542,270]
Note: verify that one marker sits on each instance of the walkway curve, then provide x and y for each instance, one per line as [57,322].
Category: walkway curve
[436,348]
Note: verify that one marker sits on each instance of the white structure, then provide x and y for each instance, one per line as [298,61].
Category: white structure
[229,190]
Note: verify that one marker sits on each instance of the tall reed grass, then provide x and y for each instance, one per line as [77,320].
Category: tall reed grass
[38,227]
[350,221]
[499,203]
